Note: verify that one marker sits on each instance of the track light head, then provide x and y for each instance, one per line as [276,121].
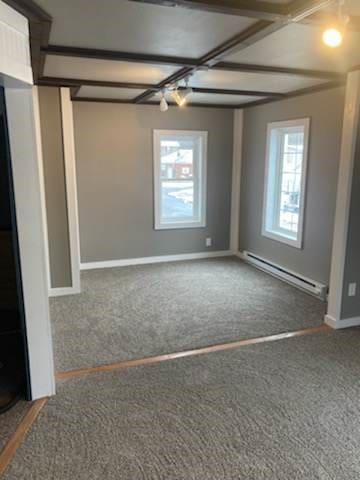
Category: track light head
[164,107]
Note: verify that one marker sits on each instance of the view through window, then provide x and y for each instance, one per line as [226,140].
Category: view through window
[180,178]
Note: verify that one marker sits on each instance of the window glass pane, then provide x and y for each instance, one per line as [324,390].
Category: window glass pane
[177,157]
[177,199]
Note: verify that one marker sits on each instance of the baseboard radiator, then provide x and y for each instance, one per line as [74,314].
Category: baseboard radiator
[315,288]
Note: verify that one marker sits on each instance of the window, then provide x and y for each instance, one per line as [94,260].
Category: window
[285,178]
[180,178]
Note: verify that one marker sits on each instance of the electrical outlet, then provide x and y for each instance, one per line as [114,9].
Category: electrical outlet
[208,242]
[352,290]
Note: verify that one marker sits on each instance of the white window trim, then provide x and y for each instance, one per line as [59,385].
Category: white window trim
[298,242]
[158,225]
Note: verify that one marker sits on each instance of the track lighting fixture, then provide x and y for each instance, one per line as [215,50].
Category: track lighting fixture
[180,95]
[163,103]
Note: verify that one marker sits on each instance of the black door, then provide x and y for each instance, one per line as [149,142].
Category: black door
[14,378]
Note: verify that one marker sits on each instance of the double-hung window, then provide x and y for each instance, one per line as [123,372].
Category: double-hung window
[285,180]
[180,178]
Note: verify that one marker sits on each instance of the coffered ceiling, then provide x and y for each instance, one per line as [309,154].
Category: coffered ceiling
[233,52]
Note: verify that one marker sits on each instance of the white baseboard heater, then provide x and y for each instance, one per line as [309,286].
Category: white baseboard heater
[315,288]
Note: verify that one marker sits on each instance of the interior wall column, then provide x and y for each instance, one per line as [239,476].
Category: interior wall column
[350,140]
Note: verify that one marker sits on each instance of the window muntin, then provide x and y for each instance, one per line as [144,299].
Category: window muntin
[180,178]
[285,179]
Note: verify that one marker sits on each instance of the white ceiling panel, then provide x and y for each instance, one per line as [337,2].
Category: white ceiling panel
[251,81]
[92,69]
[134,27]
[301,46]
[109,92]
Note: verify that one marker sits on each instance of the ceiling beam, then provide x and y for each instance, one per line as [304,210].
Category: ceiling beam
[249,36]
[74,82]
[300,72]
[130,102]
[112,55]
[297,93]
[243,8]
[260,10]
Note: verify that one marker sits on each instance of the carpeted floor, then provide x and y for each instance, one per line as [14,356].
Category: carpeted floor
[10,420]
[284,410]
[140,311]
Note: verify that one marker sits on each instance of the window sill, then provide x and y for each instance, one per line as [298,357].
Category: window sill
[179,226]
[292,242]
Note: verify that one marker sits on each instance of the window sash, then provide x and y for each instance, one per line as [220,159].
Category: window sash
[274,176]
[198,181]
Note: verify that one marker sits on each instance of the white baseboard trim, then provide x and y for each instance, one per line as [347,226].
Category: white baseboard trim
[339,324]
[59,292]
[147,260]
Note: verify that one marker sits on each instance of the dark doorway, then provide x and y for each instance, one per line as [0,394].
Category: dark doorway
[13,347]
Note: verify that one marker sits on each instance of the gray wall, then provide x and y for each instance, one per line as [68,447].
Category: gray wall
[351,305]
[115,180]
[55,188]
[326,111]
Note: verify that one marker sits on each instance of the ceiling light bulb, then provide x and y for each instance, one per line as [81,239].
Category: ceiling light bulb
[177,97]
[163,104]
[332,37]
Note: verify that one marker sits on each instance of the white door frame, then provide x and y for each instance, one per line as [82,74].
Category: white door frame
[16,77]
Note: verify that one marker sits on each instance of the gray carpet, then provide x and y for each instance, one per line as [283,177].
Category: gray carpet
[10,420]
[134,312]
[284,410]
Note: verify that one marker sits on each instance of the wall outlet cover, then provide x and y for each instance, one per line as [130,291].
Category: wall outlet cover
[352,290]
[208,242]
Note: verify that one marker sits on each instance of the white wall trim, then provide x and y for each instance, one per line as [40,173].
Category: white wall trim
[346,169]
[71,188]
[236,180]
[59,292]
[159,259]
[27,186]
[40,159]
[346,323]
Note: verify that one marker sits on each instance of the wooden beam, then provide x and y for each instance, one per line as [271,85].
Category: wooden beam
[130,102]
[247,37]
[75,82]
[296,93]
[243,8]
[112,55]
[300,72]
[260,10]
[118,56]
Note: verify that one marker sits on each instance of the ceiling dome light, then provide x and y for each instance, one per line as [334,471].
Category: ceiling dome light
[333,37]
[164,107]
